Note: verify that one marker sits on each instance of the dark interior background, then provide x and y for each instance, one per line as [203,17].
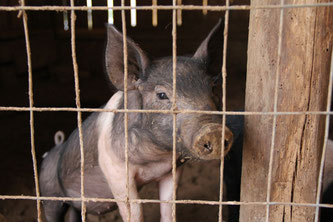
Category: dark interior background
[53,86]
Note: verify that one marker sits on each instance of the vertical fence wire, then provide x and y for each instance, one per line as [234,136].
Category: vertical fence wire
[78,105]
[125,51]
[327,122]
[277,79]
[224,102]
[174,107]
[31,104]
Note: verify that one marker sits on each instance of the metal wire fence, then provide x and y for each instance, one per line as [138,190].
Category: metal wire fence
[175,7]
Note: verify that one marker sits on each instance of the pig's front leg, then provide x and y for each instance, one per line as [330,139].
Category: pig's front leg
[119,191]
[117,181]
[117,184]
[166,193]
[115,173]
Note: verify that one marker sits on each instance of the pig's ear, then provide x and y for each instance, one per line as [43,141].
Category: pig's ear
[211,49]
[114,60]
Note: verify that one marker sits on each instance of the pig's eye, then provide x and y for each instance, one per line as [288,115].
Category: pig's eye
[162,96]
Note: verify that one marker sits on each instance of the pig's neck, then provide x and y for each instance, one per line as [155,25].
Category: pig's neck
[141,148]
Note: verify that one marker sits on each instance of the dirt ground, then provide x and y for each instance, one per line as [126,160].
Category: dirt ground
[53,86]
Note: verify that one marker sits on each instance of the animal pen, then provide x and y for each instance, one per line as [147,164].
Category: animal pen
[279,71]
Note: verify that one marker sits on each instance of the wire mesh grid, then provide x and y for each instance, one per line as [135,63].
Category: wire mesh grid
[176,7]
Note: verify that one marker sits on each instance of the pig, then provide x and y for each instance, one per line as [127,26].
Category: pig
[150,140]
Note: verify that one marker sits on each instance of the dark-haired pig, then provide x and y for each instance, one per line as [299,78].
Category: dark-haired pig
[149,134]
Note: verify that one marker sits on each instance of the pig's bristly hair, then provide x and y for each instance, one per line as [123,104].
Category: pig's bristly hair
[191,76]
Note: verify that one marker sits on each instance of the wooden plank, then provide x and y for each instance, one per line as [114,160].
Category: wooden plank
[304,72]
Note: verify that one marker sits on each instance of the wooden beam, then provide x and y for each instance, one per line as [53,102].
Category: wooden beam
[307,38]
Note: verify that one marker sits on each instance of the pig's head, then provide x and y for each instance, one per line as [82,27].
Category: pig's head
[198,135]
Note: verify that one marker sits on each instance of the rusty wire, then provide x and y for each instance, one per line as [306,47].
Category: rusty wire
[31,104]
[161,7]
[78,105]
[125,52]
[224,103]
[242,113]
[174,107]
[200,202]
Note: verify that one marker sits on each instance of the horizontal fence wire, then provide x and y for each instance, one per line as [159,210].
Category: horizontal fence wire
[200,202]
[245,113]
[160,7]
[83,199]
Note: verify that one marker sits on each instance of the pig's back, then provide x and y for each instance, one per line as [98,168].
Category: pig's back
[95,184]
[48,178]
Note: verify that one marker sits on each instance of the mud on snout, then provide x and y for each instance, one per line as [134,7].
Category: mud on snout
[207,142]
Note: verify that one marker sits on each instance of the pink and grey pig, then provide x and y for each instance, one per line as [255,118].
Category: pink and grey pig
[149,134]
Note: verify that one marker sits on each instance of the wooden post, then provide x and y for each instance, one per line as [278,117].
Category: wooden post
[307,39]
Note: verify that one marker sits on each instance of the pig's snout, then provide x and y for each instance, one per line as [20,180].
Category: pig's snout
[207,142]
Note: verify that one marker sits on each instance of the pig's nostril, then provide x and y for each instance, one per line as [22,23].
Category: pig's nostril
[226,144]
[208,146]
